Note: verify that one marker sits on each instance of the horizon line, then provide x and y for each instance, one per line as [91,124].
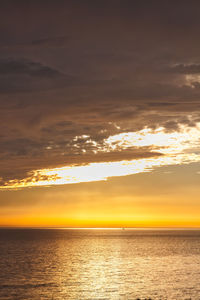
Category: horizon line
[101,228]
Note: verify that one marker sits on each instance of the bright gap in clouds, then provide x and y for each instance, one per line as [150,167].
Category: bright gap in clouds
[159,140]
[177,147]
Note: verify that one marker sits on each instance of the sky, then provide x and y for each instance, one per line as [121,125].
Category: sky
[100,113]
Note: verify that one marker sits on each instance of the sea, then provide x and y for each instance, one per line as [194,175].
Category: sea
[99,264]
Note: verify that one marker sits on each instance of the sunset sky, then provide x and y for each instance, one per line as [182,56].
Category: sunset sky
[100,113]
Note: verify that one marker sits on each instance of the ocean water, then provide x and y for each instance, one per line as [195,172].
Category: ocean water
[99,264]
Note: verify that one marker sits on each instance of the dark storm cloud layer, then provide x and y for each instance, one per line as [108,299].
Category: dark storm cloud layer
[74,68]
[23,75]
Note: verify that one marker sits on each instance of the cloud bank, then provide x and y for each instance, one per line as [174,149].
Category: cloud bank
[97,70]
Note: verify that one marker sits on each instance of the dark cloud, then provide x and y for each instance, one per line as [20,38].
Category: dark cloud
[24,75]
[12,67]
[46,42]
[73,68]
[59,41]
